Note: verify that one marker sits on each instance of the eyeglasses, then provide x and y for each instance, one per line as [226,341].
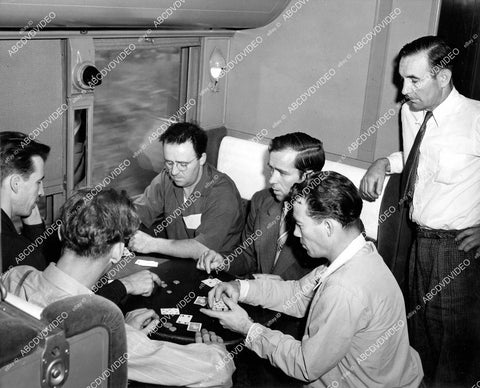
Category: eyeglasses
[182,166]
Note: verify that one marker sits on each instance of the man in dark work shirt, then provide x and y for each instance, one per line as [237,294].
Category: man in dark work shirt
[22,163]
[199,208]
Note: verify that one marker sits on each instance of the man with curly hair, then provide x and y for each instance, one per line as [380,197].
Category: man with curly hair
[93,233]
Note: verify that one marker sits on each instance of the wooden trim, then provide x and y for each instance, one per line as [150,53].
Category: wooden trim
[375,79]
[435,17]
[193,81]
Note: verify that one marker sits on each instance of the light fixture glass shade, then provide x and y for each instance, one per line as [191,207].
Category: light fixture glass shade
[217,64]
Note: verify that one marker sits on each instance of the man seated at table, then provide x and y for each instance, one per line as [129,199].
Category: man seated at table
[356,334]
[22,162]
[199,207]
[267,244]
[93,234]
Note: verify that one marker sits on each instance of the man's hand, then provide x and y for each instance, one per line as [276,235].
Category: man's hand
[34,218]
[140,283]
[469,239]
[211,260]
[207,337]
[230,289]
[236,319]
[142,242]
[371,185]
[142,319]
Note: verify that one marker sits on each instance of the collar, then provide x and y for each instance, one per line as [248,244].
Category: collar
[441,112]
[63,281]
[347,254]
[7,222]
[445,109]
[206,181]
[275,207]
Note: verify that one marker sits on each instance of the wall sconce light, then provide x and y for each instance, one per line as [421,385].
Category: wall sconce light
[217,66]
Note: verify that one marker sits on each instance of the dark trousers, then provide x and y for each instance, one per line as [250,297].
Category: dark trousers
[444,292]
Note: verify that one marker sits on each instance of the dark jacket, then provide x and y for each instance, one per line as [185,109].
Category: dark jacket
[34,245]
[264,220]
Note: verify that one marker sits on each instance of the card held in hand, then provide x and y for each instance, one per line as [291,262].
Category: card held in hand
[201,301]
[194,326]
[220,306]
[211,282]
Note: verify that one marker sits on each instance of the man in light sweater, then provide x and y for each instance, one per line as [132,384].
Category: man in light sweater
[356,333]
[93,234]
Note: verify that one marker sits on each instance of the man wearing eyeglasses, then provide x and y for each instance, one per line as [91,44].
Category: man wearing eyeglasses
[199,208]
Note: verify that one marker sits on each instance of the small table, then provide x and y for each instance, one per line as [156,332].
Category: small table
[184,281]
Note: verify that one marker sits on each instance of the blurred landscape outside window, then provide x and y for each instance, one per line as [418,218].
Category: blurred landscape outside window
[135,98]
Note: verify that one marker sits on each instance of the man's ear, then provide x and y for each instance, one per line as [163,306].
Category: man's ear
[203,159]
[444,77]
[330,226]
[306,174]
[116,252]
[15,181]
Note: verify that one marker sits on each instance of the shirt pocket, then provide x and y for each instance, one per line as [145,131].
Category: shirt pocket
[451,167]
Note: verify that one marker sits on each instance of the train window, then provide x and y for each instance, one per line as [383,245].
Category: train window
[144,84]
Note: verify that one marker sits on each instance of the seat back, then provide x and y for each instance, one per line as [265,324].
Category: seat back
[81,338]
[245,161]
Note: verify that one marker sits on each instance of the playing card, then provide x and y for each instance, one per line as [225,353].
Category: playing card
[184,319]
[194,326]
[146,263]
[201,300]
[220,306]
[170,311]
[211,282]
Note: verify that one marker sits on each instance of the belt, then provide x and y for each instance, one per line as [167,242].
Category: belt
[437,233]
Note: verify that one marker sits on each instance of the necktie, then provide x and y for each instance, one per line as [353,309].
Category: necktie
[282,234]
[410,169]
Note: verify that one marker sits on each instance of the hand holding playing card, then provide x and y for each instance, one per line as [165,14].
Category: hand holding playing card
[235,319]
[230,289]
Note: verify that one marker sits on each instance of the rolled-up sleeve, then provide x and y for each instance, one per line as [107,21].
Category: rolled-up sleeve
[166,363]
[333,322]
[150,204]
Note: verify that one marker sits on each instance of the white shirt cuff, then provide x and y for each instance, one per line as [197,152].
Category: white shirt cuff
[244,287]
[396,162]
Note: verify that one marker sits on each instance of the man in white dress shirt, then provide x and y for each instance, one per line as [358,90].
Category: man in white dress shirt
[445,206]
